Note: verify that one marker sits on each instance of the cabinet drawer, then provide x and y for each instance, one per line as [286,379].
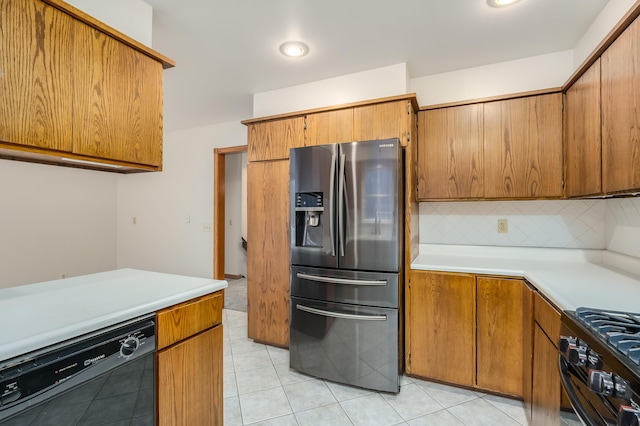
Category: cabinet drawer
[547,317]
[186,319]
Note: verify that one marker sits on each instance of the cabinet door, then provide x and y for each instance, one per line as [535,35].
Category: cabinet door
[582,135]
[620,119]
[441,327]
[268,252]
[450,153]
[523,147]
[190,381]
[35,77]
[383,121]
[271,140]
[500,335]
[117,100]
[546,381]
[329,127]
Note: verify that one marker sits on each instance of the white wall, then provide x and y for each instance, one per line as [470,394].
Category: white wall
[131,17]
[612,12]
[53,221]
[362,86]
[161,240]
[522,75]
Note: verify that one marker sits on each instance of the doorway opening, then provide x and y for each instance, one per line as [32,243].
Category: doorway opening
[229,219]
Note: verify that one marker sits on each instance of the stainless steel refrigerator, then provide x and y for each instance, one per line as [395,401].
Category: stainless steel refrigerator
[346,254]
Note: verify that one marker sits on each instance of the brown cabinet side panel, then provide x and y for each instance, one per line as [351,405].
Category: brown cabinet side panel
[190,381]
[271,140]
[117,100]
[620,119]
[528,323]
[36,75]
[523,147]
[329,127]
[182,321]
[583,135]
[268,252]
[441,327]
[450,153]
[500,335]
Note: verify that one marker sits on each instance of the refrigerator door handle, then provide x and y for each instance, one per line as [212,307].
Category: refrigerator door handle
[341,315]
[332,212]
[341,195]
[339,280]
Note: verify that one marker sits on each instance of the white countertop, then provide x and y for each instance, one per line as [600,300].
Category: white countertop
[570,278]
[38,315]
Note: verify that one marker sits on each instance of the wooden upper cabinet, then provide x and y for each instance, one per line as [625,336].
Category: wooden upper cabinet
[620,119]
[500,331]
[271,140]
[268,252]
[329,127]
[523,147]
[35,75]
[117,100]
[583,171]
[382,121]
[450,153]
[441,327]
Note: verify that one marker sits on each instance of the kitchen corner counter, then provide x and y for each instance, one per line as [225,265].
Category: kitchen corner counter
[569,278]
[38,315]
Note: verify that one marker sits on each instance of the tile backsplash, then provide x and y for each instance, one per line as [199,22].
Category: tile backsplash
[622,225]
[540,223]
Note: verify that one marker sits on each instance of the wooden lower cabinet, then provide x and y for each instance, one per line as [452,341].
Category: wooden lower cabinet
[189,363]
[499,338]
[545,398]
[440,327]
[268,252]
[190,381]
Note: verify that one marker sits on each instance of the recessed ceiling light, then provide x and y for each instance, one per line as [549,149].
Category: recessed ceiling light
[501,3]
[294,49]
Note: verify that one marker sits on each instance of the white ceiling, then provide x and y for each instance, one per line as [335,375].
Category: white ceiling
[227,50]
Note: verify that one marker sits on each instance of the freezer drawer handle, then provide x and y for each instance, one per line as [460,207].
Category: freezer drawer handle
[339,315]
[338,280]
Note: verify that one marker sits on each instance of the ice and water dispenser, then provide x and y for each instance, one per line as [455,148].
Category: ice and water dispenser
[309,219]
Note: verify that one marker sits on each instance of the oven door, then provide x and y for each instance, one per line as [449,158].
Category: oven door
[591,408]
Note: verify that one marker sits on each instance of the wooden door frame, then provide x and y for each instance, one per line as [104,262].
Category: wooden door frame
[219,157]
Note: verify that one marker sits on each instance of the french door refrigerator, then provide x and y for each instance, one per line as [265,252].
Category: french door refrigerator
[346,233]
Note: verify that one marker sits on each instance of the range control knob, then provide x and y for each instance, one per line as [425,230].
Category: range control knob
[577,355]
[129,346]
[10,396]
[609,384]
[566,342]
[628,416]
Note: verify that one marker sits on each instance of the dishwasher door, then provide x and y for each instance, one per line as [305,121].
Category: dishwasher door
[352,344]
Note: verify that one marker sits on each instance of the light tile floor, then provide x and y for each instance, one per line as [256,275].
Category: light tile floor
[260,389]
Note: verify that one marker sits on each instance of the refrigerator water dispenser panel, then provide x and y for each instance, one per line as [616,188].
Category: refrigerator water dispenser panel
[309,210]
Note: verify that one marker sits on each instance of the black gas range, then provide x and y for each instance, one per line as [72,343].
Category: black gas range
[600,365]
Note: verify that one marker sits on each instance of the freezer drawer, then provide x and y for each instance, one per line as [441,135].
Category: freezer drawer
[356,287]
[345,343]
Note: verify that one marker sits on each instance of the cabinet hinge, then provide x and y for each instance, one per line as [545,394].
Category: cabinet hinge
[408,108]
[409,359]
[305,123]
[408,136]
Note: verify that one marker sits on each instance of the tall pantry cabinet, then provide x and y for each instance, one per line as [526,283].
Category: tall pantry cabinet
[269,142]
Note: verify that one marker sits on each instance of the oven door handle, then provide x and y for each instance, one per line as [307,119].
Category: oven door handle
[340,315]
[571,393]
[332,280]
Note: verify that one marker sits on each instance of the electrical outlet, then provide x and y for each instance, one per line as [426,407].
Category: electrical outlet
[503,226]
[207,227]
[134,220]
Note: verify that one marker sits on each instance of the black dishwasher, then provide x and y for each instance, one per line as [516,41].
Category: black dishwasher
[104,377]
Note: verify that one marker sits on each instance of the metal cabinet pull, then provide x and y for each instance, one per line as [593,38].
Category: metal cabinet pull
[332,280]
[339,315]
